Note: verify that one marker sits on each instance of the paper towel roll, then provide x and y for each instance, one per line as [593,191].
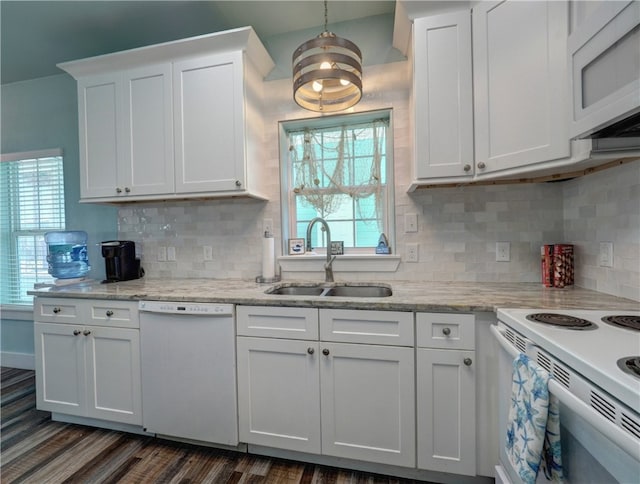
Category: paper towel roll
[268,260]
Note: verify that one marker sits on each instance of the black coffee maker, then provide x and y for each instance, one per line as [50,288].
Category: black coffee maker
[120,259]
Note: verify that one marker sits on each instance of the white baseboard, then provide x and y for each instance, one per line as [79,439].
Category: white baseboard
[24,361]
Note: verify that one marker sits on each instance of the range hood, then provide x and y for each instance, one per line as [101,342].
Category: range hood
[618,136]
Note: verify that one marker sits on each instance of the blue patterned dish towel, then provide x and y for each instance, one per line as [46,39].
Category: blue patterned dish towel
[533,428]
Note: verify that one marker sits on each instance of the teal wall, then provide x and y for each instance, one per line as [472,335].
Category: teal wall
[42,114]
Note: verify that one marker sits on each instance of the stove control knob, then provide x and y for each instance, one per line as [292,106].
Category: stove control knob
[446,331]
[467,361]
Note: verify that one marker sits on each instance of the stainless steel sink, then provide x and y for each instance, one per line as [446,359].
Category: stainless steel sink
[360,291]
[295,290]
[338,290]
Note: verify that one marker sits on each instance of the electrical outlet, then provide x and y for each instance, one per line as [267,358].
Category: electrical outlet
[606,254]
[412,252]
[267,226]
[207,252]
[171,253]
[503,251]
[410,222]
[162,254]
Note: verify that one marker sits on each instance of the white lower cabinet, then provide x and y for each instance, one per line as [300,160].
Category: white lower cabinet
[347,400]
[279,393]
[446,393]
[88,370]
[367,400]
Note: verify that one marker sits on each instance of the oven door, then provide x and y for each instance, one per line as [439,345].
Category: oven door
[588,456]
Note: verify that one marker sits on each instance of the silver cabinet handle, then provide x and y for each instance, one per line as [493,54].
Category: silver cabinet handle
[446,331]
[482,165]
[238,183]
[86,332]
[467,361]
[109,313]
[76,332]
[467,167]
[127,189]
[118,190]
[325,352]
[56,310]
[310,350]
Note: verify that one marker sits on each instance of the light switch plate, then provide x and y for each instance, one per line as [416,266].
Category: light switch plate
[410,222]
[162,254]
[207,252]
[171,253]
[606,254]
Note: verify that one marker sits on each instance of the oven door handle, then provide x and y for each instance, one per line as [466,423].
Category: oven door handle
[621,438]
[499,335]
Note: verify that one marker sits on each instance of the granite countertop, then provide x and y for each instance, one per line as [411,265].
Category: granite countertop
[407,296]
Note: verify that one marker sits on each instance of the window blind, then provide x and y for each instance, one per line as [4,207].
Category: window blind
[32,203]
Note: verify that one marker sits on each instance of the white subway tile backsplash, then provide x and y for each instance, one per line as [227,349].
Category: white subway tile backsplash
[457,227]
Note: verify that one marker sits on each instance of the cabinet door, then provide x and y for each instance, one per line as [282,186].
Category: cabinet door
[279,393]
[443,96]
[368,403]
[520,83]
[208,124]
[99,106]
[113,374]
[146,167]
[60,376]
[446,411]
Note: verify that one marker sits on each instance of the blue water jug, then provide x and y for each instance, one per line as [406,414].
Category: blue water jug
[67,254]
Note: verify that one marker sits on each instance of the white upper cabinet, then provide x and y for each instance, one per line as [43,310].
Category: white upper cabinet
[443,96]
[209,124]
[520,83]
[173,120]
[491,92]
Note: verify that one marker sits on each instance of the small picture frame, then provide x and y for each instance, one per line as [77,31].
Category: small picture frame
[296,246]
[337,247]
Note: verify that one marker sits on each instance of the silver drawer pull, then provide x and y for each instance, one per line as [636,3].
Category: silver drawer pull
[109,313]
[56,310]
[76,332]
[310,350]
[325,352]
[467,361]
[446,331]
[86,332]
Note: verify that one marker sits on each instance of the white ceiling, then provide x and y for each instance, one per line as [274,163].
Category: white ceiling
[36,35]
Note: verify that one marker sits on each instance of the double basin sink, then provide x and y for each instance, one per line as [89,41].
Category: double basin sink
[331,289]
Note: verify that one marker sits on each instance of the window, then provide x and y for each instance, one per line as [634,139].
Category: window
[339,168]
[31,203]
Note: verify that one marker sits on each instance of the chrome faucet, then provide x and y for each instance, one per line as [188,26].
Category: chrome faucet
[328,268]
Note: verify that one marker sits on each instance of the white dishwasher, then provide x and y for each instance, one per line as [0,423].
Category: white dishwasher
[189,371]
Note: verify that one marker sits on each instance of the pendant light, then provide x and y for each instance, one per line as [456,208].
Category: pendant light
[327,72]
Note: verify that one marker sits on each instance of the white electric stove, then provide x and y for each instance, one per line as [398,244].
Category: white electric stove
[593,357]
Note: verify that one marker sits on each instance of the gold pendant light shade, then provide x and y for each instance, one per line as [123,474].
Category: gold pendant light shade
[327,74]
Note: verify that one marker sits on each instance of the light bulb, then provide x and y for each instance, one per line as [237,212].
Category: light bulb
[317,86]
[325,65]
[344,82]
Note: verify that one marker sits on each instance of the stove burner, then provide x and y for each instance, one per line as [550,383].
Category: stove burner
[630,365]
[624,321]
[561,320]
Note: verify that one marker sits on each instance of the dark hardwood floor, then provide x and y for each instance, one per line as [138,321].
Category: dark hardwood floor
[34,449]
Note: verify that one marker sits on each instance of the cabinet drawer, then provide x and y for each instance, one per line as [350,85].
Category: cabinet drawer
[369,327]
[122,314]
[447,331]
[57,310]
[277,322]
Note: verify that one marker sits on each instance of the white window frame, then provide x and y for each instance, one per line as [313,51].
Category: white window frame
[354,259]
[10,238]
